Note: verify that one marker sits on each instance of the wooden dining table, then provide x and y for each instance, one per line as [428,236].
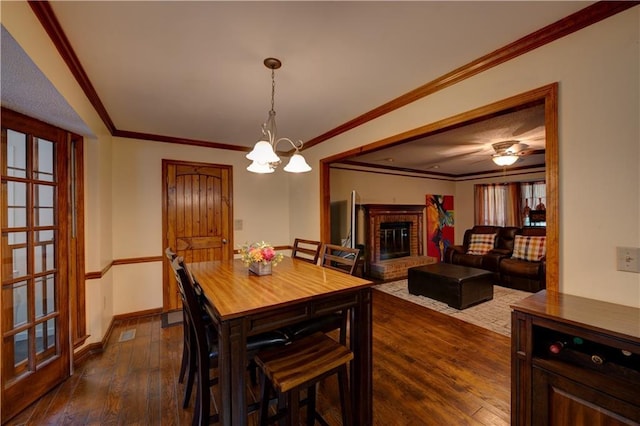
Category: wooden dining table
[243,304]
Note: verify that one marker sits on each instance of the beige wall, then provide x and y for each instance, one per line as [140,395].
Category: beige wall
[599,145]
[20,21]
[597,70]
[259,201]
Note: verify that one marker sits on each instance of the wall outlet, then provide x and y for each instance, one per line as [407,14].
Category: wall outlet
[627,259]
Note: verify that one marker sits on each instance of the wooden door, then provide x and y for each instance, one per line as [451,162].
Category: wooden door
[33,217]
[197,217]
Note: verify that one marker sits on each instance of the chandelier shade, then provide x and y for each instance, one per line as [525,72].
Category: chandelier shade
[263,156]
[297,164]
[263,168]
[263,153]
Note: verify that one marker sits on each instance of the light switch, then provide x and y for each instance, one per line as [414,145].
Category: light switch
[627,259]
[237,225]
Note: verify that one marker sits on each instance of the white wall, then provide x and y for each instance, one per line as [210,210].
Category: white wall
[599,145]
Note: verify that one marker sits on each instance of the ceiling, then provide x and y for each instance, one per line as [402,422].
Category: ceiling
[194,70]
[467,150]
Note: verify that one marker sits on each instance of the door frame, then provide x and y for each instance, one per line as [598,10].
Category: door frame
[546,94]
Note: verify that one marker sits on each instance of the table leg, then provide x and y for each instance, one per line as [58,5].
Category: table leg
[232,365]
[362,372]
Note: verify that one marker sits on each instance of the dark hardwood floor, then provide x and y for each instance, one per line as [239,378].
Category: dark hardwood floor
[429,369]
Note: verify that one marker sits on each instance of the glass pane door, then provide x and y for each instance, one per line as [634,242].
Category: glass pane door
[34,343]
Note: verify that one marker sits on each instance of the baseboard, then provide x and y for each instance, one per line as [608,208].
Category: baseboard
[97,347]
[137,314]
[94,348]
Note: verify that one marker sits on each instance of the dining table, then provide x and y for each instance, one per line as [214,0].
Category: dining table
[243,304]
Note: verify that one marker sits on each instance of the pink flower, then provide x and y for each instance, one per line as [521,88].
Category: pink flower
[268,253]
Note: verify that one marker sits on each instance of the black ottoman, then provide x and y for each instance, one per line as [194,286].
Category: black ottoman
[457,286]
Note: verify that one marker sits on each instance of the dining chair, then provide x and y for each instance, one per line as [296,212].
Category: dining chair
[343,259]
[298,366]
[307,250]
[187,351]
[204,344]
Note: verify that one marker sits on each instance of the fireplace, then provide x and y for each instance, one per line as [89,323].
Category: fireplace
[395,240]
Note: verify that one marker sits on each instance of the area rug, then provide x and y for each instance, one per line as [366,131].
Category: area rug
[494,315]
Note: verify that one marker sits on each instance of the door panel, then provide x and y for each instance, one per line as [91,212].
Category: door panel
[35,328]
[197,217]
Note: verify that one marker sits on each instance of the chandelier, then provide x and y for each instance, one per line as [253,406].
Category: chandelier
[263,156]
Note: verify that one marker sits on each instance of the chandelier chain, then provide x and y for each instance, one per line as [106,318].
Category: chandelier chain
[273,89]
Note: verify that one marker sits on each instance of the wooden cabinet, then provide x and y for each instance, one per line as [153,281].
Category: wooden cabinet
[574,361]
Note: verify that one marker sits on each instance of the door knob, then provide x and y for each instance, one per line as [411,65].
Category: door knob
[224,241]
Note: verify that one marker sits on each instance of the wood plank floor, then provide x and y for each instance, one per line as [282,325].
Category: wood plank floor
[429,369]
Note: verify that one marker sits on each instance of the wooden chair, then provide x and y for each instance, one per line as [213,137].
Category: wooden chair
[307,250]
[203,347]
[343,259]
[188,351]
[188,363]
[301,365]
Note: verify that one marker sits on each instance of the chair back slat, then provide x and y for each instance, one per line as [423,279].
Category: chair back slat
[307,250]
[343,259]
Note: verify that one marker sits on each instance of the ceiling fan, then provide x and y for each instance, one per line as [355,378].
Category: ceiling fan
[508,152]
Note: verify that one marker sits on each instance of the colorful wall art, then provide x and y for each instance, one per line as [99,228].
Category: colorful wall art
[439,225]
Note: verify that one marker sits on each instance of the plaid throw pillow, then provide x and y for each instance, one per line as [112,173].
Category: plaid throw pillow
[481,243]
[529,248]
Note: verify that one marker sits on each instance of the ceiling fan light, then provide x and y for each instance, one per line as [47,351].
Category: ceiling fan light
[504,160]
[297,164]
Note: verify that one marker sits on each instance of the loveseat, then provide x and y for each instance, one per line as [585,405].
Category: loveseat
[516,256]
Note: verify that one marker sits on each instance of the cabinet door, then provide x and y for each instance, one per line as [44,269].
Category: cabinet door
[558,401]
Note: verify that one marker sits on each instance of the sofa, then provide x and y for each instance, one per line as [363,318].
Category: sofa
[492,248]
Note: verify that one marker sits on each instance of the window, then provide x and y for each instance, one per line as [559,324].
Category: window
[534,197]
[510,204]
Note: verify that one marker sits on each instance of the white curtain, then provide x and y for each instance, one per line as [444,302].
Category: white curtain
[504,204]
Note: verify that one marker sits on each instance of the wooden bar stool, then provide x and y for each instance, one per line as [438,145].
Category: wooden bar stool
[301,365]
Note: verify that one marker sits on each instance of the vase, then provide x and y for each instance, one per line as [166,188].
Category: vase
[260,268]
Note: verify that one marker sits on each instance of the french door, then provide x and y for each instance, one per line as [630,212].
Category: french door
[34,211]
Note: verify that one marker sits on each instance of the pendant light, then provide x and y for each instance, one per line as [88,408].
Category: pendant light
[263,156]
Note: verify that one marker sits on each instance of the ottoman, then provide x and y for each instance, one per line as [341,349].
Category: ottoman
[457,286]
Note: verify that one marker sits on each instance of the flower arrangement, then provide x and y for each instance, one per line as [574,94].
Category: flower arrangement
[260,253]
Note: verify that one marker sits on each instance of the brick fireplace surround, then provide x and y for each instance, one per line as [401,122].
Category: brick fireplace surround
[389,269]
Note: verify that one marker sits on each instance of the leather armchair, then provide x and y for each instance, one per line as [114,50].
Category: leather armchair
[525,274]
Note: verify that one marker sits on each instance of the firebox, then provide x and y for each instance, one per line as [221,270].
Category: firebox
[395,240]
